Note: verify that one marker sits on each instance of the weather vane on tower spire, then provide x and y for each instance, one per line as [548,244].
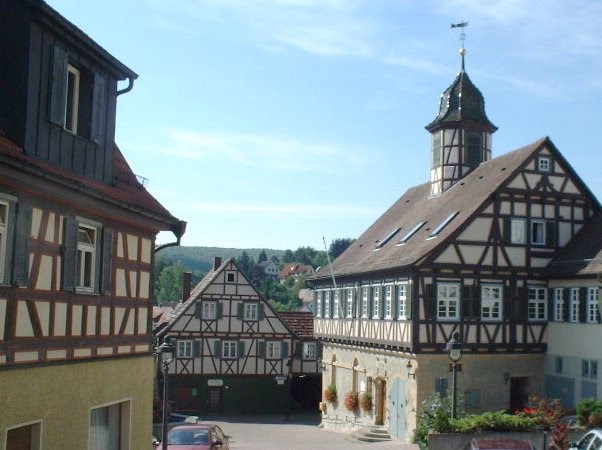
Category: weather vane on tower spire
[461,25]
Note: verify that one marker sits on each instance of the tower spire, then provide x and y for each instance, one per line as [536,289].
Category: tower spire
[461,25]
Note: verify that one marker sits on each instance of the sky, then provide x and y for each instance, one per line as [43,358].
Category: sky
[290,123]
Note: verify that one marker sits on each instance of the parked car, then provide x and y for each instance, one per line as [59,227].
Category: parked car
[592,440]
[198,436]
[500,444]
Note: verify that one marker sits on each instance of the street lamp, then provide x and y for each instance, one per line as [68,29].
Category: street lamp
[454,351]
[166,355]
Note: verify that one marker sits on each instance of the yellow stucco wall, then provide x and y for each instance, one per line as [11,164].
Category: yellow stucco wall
[61,397]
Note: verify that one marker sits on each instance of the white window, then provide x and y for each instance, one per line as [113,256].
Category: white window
[229,349]
[559,305]
[388,301]
[448,301]
[209,310]
[230,277]
[72,99]
[376,302]
[5,212]
[319,303]
[109,427]
[574,306]
[592,305]
[491,302]
[402,306]
[309,350]
[327,303]
[349,305]
[538,232]
[337,294]
[518,228]
[365,293]
[273,350]
[589,369]
[251,311]
[537,307]
[86,257]
[184,349]
[543,164]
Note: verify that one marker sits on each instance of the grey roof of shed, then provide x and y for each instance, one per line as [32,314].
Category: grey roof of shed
[466,197]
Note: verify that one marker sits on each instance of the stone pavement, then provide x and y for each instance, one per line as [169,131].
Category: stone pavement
[298,432]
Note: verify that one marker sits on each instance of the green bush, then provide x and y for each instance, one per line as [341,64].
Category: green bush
[589,412]
[493,421]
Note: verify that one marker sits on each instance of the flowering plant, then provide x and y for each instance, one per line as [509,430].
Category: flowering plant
[366,401]
[351,400]
[330,393]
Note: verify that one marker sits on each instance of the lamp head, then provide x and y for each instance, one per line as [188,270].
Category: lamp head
[454,347]
[167,350]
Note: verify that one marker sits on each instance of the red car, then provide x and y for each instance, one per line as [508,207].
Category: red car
[198,436]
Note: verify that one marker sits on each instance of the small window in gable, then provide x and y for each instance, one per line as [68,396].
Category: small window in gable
[544,164]
[411,233]
[443,224]
[387,238]
[230,277]
[72,99]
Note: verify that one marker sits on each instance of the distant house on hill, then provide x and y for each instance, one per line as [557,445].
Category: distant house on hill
[295,270]
[270,269]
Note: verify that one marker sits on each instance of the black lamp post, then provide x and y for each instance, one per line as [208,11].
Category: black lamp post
[454,351]
[289,365]
[166,355]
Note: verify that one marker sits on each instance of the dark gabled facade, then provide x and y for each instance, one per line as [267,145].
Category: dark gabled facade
[466,252]
[236,354]
[77,235]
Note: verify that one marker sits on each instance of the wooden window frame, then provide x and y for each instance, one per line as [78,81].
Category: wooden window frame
[336,303]
[388,301]
[559,304]
[185,349]
[516,236]
[365,310]
[310,351]
[349,303]
[251,312]
[448,306]
[376,296]
[319,303]
[574,305]
[544,164]
[402,301]
[273,350]
[209,310]
[87,258]
[535,237]
[593,311]
[229,349]
[537,307]
[489,301]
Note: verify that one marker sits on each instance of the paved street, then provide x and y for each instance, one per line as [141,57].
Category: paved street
[301,432]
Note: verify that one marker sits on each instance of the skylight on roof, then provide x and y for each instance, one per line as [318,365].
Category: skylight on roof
[443,224]
[387,238]
[411,233]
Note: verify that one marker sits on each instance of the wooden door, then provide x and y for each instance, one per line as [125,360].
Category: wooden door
[380,399]
[214,400]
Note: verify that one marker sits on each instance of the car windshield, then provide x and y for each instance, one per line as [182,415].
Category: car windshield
[188,437]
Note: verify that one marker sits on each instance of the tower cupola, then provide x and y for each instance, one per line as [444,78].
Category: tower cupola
[461,132]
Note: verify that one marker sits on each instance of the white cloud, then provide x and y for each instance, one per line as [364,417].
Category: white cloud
[261,151]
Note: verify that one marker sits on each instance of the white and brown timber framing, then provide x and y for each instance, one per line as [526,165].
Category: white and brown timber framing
[40,320]
[229,289]
[473,249]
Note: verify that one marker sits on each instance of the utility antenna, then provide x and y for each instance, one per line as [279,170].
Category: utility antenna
[461,25]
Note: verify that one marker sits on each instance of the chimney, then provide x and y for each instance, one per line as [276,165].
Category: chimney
[186,281]
[217,262]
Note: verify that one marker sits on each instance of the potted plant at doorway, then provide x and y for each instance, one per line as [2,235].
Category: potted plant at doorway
[365,400]
[351,400]
[330,393]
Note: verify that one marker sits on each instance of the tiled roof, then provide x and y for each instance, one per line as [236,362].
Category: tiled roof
[466,198]
[293,269]
[583,255]
[300,323]
[126,190]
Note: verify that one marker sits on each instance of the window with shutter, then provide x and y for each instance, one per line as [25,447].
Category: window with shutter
[21,245]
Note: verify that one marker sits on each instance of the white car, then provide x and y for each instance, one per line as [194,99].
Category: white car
[592,440]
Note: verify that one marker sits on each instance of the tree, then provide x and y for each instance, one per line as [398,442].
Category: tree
[245,262]
[338,246]
[288,256]
[262,257]
[168,287]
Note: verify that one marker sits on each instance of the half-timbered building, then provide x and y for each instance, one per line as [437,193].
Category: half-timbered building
[77,232]
[465,252]
[235,354]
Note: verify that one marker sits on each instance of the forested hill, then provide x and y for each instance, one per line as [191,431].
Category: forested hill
[201,258]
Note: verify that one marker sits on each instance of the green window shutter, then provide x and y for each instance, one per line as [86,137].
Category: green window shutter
[522,305]
[198,310]
[285,349]
[196,348]
[507,230]
[409,299]
[106,270]
[69,254]
[319,349]
[466,302]
[551,315]
[99,109]
[217,348]
[261,348]
[566,294]
[298,349]
[220,310]
[551,233]
[21,245]
[58,87]
[582,304]
[260,311]
[240,311]
[241,349]
[430,302]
